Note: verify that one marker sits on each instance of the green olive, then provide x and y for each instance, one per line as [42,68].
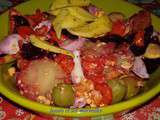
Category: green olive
[118,90]
[63,95]
[132,87]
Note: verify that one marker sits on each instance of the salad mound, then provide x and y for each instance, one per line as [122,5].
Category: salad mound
[76,55]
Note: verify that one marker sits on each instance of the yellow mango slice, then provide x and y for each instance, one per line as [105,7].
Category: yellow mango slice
[97,28]
[71,21]
[46,46]
[55,12]
[57,22]
[66,3]
[66,20]
[81,13]
[152,51]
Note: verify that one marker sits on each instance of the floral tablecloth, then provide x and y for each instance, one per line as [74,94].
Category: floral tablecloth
[149,111]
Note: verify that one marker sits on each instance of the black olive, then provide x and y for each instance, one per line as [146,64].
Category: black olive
[30,52]
[147,39]
[2,55]
[137,50]
[69,35]
[129,38]
[109,38]
[148,35]
[151,64]
[20,21]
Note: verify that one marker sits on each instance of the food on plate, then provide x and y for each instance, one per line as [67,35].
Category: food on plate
[100,26]
[152,51]
[75,55]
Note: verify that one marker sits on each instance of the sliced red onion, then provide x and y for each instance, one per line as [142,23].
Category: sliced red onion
[93,10]
[74,45]
[10,44]
[77,72]
[46,23]
[139,68]
[79,103]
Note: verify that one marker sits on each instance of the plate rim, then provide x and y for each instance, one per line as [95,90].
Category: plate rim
[32,105]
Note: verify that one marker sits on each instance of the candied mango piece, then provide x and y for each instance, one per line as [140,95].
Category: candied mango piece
[99,27]
[152,51]
[81,13]
[46,46]
[66,3]
[71,17]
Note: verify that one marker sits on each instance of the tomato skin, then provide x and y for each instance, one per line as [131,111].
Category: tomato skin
[24,31]
[106,92]
[118,28]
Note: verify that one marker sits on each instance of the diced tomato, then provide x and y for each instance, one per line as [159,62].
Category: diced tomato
[118,28]
[106,92]
[41,31]
[36,18]
[92,64]
[65,62]
[96,78]
[2,60]
[53,37]
[24,31]
[139,39]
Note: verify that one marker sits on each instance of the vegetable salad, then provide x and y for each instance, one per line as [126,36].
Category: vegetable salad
[76,55]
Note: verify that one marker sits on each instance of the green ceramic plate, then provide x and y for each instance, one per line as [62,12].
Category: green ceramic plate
[7,86]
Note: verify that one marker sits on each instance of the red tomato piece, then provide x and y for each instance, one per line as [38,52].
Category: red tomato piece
[36,18]
[118,28]
[41,31]
[106,92]
[24,31]
[65,62]
[96,78]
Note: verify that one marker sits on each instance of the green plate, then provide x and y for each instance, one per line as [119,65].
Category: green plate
[8,89]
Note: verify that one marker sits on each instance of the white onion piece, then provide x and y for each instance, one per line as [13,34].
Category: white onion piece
[77,72]
[79,103]
[75,45]
[46,23]
[10,44]
[139,68]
